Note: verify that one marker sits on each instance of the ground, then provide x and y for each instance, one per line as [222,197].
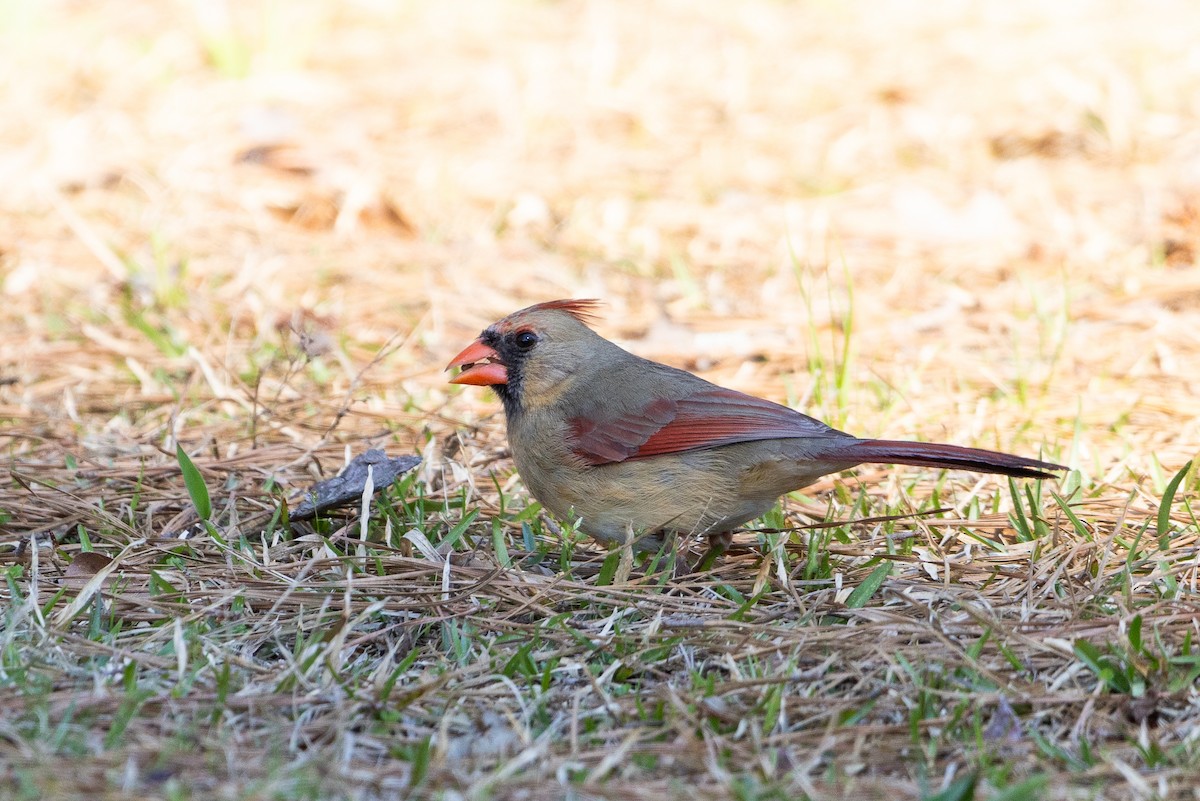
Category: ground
[239,242]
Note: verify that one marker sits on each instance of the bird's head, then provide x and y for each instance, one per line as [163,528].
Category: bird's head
[528,356]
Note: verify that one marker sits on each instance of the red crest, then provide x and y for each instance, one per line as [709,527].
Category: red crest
[585,310]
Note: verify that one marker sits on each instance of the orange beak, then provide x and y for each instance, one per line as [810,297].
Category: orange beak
[482,366]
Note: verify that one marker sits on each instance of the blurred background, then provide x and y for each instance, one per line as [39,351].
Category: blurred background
[967,221]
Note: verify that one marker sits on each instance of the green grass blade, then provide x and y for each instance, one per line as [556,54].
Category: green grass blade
[1164,508]
[871,584]
[1080,528]
[608,569]
[197,489]
[1029,790]
[1019,521]
[500,546]
[961,790]
[459,529]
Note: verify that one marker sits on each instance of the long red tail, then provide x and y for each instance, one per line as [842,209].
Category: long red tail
[932,454]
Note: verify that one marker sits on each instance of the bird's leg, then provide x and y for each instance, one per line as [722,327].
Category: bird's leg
[672,548]
[669,551]
[718,543]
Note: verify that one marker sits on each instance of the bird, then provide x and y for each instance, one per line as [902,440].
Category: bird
[637,451]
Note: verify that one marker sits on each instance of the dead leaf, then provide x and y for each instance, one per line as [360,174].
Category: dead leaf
[83,567]
[97,573]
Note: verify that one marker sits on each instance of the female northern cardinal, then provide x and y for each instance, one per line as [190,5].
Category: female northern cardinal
[636,447]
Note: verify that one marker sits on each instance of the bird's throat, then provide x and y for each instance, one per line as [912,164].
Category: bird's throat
[510,395]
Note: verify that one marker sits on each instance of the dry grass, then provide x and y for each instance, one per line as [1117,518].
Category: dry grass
[259,230]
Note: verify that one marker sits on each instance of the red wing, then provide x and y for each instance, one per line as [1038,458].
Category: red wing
[705,419]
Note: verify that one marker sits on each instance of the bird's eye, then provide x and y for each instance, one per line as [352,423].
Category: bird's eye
[526,340]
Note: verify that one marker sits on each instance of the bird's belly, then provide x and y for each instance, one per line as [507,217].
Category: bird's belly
[693,493]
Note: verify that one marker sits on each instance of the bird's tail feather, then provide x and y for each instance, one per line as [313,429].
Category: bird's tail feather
[930,454]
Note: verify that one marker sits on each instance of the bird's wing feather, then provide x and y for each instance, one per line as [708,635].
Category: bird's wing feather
[706,418]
